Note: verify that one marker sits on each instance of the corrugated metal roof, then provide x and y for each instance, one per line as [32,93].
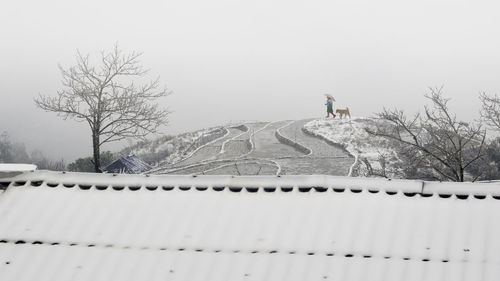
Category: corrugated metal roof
[72,226]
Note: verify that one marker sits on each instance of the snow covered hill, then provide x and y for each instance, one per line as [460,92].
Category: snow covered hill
[311,146]
[374,156]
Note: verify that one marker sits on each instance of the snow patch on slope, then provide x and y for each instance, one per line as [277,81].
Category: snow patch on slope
[374,155]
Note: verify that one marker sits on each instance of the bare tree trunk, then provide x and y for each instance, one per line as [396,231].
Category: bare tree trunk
[97,153]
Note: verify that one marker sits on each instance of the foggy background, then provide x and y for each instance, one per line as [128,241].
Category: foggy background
[249,60]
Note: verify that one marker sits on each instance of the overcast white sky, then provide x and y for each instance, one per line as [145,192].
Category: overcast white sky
[250,60]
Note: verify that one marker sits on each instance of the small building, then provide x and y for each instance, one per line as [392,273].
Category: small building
[128,165]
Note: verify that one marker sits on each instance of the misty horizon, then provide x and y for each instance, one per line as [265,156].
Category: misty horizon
[227,61]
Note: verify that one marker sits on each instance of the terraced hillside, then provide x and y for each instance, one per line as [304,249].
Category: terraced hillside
[263,148]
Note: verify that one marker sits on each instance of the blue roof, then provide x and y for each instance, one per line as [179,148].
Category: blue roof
[129,164]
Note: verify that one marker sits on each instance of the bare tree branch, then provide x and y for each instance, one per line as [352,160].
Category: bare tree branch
[490,111]
[435,140]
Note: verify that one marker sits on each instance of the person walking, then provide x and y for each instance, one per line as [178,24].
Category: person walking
[329,107]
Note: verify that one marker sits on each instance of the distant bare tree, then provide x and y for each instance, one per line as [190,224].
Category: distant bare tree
[44,163]
[99,95]
[435,140]
[12,152]
[490,111]
[5,148]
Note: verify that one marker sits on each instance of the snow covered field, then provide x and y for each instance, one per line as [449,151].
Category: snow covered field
[374,155]
[169,150]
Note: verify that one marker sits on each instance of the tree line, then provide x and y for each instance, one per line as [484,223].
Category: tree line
[15,152]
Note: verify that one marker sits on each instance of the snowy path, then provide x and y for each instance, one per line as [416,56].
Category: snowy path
[268,146]
[252,129]
[250,167]
[210,151]
[254,149]
[323,159]
[319,147]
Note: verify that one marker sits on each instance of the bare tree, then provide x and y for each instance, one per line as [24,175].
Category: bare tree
[44,163]
[12,151]
[435,140]
[490,111]
[103,97]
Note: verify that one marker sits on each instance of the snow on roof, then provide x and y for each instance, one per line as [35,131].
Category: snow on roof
[77,226]
[5,168]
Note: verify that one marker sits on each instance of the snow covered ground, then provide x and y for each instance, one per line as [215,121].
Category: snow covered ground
[269,148]
[169,150]
[374,155]
[216,150]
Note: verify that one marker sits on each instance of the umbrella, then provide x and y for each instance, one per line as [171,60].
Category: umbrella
[330,97]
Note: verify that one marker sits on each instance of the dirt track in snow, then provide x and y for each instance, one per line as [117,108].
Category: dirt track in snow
[265,148]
